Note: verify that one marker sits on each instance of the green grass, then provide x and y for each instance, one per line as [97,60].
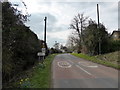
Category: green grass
[111,57]
[96,60]
[38,76]
[41,76]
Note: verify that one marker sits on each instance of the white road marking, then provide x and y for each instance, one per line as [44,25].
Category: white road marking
[93,66]
[82,63]
[64,64]
[83,70]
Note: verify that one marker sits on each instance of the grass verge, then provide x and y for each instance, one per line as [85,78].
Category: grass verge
[110,57]
[38,76]
[96,60]
[41,77]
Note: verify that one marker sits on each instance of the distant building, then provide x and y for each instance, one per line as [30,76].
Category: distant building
[115,35]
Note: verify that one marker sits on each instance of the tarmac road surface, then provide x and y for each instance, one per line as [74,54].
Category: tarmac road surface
[69,71]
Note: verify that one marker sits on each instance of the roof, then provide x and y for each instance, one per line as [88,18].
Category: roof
[115,32]
[116,35]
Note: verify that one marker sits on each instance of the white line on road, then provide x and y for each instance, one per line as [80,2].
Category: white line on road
[93,66]
[83,70]
[83,64]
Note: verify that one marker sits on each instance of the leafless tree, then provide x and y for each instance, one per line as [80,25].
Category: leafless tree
[79,24]
[73,41]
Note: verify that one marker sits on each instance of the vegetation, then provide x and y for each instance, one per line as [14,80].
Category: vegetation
[87,37]
[57,48]
[20,44]
[53,50]
[113,45]
[93,35]
[79,24]
[73,42]
[96,60]
[110,57]
[41,76]
[38,76]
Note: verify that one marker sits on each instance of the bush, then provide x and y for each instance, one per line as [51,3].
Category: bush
[114,46]
[20,44]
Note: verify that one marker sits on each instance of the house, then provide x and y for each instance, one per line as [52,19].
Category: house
[116,35]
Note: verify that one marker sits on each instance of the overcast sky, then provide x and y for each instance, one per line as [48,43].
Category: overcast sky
[61,12]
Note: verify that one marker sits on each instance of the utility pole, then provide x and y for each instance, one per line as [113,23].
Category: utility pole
[98,14]
[99,29]
[43,53]
[45,30]
[44,44]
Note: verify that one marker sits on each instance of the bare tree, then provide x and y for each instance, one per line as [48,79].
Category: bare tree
[79,24]
[73,41]
[56,45]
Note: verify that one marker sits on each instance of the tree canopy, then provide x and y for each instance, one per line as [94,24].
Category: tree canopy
[20,44]
[88,37]
[91,37]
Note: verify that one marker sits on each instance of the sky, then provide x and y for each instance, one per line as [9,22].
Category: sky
[60,13]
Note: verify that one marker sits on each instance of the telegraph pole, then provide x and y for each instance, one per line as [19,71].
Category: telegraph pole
[43,53]
[44,44]
[45,30]
[98,14]
[99,29]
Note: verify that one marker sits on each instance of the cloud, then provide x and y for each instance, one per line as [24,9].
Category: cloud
[36,23]
[59,36]
[60,13]
[66,0]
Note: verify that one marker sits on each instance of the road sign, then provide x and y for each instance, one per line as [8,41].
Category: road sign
[40,54]
[43,50]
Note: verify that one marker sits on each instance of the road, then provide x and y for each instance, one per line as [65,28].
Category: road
[69,71]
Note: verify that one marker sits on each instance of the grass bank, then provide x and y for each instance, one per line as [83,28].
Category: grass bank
[42,75]
[111,57]
[96,60]
[38,76]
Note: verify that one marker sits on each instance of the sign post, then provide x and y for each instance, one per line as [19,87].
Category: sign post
[41,56]
[43,50]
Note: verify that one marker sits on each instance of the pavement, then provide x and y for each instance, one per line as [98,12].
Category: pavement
[69,71]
